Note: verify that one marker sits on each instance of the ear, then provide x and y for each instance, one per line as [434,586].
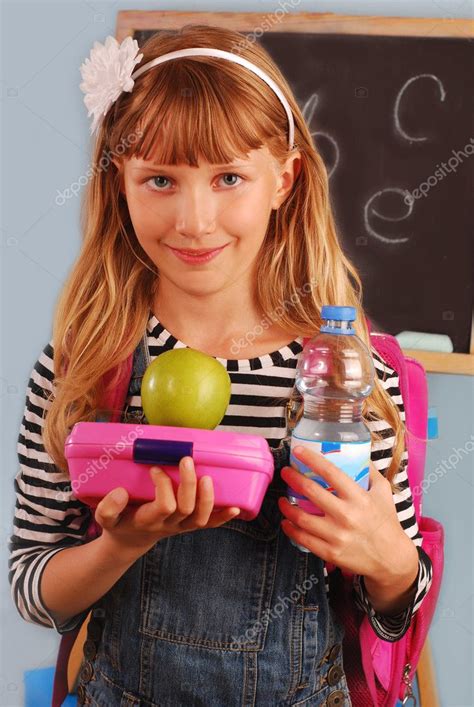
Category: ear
[287,178]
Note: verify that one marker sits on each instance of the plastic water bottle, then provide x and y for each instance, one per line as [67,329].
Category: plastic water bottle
[335,374]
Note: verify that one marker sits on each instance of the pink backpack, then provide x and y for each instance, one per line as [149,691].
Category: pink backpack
[377,671]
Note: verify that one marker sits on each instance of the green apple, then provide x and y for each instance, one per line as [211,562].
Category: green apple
[185,388]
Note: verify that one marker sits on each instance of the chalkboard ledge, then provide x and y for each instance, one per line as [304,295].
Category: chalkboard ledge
[436,362]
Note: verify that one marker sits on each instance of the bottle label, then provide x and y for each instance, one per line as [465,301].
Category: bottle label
[351,457]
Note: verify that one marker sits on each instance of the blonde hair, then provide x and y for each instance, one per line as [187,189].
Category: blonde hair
[104,307]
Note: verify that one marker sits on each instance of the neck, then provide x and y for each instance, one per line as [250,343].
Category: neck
[215,316]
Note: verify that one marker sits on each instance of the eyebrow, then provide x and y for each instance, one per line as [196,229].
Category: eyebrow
[216,166]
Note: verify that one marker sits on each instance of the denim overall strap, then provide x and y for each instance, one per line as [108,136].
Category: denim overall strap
[141,360]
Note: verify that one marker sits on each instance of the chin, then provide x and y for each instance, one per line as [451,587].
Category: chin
[203,285]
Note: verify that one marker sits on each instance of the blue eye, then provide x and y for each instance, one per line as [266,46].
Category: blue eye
[155,187]
[158,177]
[231,174]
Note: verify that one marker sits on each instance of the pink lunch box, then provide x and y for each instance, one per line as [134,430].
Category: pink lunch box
[104,455]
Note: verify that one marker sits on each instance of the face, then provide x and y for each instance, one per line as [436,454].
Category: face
[204,207]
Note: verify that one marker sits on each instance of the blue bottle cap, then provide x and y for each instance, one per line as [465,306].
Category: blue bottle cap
[338,313]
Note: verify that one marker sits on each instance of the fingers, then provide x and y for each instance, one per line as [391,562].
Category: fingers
[166,507]
[322,497]
[317,463]
[212,520]
[219,517]
[191,508]
[108,511]
[164,503]
[201,514]
[205,502]
[195,498]
[186,496]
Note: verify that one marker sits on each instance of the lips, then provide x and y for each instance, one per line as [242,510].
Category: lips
[198,252]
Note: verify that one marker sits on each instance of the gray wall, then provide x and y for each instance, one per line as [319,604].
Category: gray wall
[45,141]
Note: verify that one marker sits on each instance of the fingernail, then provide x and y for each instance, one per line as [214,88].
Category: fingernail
[188,464]
[118,495]
[156,470]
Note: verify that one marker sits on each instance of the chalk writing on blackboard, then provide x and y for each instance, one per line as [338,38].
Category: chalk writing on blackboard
[308,111]
[320,134]
[398,100]
[370,211]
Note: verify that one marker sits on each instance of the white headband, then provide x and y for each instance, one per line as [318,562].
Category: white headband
[108,72]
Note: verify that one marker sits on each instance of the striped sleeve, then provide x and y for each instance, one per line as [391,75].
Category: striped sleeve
[47,516]
[392,628]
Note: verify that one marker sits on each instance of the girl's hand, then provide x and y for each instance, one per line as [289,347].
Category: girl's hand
[131,531]
[360,531]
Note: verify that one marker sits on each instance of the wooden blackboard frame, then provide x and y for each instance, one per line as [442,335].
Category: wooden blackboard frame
[131,21]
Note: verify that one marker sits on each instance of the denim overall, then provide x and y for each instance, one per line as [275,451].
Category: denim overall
[234,616]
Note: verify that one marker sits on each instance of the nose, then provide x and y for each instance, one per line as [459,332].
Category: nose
[196,216]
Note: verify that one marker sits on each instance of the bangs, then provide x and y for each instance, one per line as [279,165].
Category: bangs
[191,110]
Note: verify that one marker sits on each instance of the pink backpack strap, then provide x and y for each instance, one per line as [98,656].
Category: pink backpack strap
[369,642]
[114,402]
[115,398]
[60,687]
[414,391]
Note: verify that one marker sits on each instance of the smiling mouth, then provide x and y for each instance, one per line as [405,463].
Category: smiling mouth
[198,252]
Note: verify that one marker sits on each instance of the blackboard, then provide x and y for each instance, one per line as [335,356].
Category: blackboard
[391,115]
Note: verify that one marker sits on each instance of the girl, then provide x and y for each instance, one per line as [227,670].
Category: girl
[233,614]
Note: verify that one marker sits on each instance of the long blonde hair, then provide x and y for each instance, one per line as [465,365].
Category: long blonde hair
[104,307]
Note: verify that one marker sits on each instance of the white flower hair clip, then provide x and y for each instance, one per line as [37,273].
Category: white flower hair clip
[107,73]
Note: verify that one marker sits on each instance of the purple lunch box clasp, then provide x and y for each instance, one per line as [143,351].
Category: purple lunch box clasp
[161,451]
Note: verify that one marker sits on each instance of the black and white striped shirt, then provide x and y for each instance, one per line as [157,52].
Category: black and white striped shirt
[46,522]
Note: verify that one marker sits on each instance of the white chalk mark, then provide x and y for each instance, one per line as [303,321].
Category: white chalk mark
[309,108]
[368,212]
[396,109]
[308,112]
[336,150]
